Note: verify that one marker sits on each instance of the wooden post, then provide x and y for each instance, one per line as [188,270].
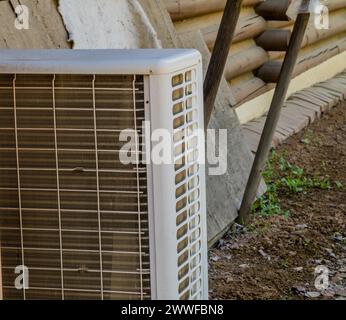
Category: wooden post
[219,56]
[274,113]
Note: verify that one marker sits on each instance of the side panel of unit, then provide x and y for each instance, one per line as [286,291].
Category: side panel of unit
[164,270]
[205,279]
[150,185]
[178,192]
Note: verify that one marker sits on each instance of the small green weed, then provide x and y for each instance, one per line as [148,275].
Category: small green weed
[284,177]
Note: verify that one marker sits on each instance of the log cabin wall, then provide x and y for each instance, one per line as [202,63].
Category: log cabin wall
[245,55]
[251,68]
[318,45]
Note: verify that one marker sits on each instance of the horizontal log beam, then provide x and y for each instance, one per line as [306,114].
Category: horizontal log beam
[245,61]
[247,88]
[185,9]
[248,27]
[274,40]
[274,9]
[312,35]
[270,71]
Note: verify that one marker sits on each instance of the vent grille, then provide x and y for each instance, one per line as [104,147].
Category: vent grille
[189,242]
[69,210]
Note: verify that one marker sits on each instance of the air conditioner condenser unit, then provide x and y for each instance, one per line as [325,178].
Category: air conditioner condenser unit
[76,221]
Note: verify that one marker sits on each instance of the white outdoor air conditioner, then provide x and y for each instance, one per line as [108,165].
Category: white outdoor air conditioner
[83,223]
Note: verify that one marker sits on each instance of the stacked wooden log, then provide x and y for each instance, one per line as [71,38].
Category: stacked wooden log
[318,46]
[260,41]
[245,55]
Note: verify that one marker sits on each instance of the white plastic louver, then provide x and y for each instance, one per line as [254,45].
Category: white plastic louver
[84,224]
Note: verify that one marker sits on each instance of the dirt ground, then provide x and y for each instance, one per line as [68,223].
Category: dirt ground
[277,255]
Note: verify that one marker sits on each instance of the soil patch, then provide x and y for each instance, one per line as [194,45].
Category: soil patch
[285,256]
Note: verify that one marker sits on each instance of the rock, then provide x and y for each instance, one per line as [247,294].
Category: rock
[298,269]
[229,280]
[338,237]
[341,293]
[326,262]
[337,280]
[215,258]
[238,228]
[221,244]
[244,266]
[313,294]
[264,255]
[331,253]
[299,289]
[305,141]
[302,226]
[328,294]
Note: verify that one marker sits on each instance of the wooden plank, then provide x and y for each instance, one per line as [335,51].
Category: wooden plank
[287,120]
[311,99]
[278,138]
[312,114]
[310,106]
[324,104]
[294,123]
[284,130]
[294,114]
[316,100]
[256,127]
[328,93]
[338,84]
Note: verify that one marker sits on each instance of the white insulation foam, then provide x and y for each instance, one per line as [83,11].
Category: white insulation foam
[108,24]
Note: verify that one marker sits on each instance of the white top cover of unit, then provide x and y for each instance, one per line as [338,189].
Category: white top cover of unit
[61,61]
